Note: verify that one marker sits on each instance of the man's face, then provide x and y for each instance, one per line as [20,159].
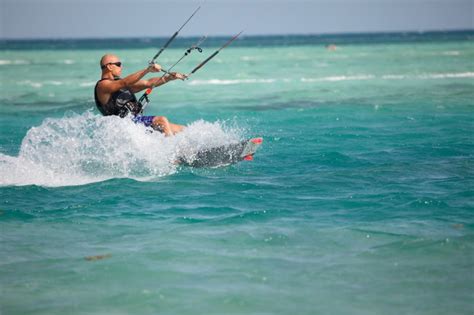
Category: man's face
[114,65]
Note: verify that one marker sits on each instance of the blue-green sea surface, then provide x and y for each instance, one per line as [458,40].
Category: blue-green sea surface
[359,201]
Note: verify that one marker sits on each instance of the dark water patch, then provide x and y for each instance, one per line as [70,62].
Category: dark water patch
[97,257]
[266,105]
[274,103]
[412,244]
[415,244]
[260,216]
[244,41]
[382,104]
[464,198]
[382,233]
[464,88]
[428,203]
[189,220]
[17,99]
[337,159]
[44,107]
[14,214]
[61,203]
[202,212]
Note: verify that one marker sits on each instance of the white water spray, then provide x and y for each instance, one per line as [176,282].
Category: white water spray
[87,148]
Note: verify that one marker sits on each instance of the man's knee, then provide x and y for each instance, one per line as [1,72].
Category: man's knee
[160,120]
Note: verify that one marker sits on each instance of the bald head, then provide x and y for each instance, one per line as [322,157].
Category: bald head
[108,58]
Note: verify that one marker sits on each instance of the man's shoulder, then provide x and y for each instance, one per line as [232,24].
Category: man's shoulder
[102,82]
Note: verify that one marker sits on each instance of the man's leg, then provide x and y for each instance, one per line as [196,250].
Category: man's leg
[162,124]
[176,128]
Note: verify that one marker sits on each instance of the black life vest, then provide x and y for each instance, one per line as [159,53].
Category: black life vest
[120,103]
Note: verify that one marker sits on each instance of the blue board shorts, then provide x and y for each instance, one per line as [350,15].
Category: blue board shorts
[146,120]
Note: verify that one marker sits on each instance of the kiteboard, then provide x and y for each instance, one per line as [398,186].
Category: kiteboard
[223,155]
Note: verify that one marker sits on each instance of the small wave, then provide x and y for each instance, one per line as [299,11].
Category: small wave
[54,82]
[31,83]
[41,84]
[88,148]
[340,78]
[394,77]
[446,75]
[4,62]
[451,53]
[363,77]
[229,82]
[249,58]
[429,76]
[87,84]
[37,84]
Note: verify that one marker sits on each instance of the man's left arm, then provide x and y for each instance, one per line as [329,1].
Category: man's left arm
[154,82]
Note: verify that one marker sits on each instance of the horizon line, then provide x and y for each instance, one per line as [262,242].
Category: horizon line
[419,32]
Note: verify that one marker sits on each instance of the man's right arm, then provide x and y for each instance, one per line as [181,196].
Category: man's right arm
[111,86]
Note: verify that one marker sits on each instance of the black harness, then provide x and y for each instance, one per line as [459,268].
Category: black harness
[120,103]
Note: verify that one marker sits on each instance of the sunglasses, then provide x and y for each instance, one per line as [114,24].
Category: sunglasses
[118,64]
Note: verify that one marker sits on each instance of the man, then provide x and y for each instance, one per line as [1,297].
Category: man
[115,96]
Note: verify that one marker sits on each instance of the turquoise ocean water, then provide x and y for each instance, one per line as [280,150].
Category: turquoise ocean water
[360,200]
